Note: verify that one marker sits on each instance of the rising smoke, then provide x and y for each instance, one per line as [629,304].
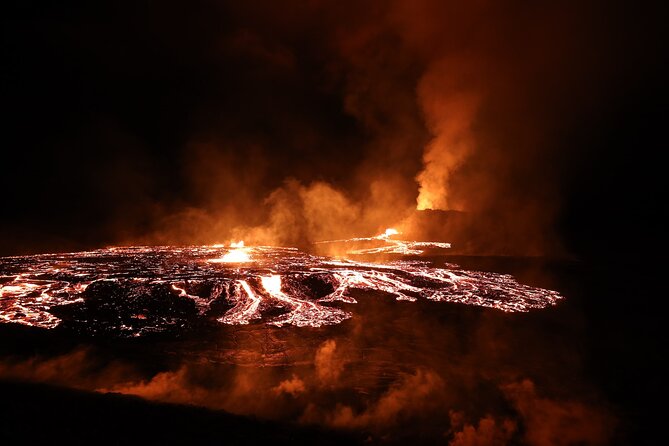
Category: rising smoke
[444,106]
[288,123]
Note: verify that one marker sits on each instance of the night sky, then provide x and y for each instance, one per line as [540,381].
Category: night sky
[173,122]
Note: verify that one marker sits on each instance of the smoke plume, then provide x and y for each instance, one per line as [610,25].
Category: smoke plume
[289,123]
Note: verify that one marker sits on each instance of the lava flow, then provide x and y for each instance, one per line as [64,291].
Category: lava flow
[132,291]
[388,245]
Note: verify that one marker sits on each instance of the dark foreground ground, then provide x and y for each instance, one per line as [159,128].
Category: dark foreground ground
[41,414]
[602,345]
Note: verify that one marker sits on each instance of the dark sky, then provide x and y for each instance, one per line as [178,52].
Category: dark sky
[136,120]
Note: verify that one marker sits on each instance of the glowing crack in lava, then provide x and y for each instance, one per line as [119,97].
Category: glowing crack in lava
[132,291]
[389,245]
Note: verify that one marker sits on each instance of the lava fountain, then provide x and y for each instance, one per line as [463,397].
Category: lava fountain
[237,254]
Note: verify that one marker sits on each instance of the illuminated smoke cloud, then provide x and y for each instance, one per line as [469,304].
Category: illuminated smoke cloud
[417,401]
[554,422]
[450,110]
[293,386]
[488,432]
[328,364]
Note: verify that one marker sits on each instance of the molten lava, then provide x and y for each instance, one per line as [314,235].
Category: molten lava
[246,304]
[389,232]
[388,245]
[237,254]
[131,291]
[302,311]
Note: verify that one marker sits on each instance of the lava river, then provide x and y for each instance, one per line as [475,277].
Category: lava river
[132,291]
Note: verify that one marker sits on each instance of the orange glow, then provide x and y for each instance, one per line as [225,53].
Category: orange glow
[239,254]
[26,298]
[236,256]
[392,246]
[423,202]
[389,232]
[246,305]
[182,292]
[272,284]
[303,312]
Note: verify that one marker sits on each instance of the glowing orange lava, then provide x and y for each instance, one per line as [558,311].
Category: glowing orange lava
[239,254]
[389,232]
[303,312]
[246,304]
[391,246]
[282,286]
